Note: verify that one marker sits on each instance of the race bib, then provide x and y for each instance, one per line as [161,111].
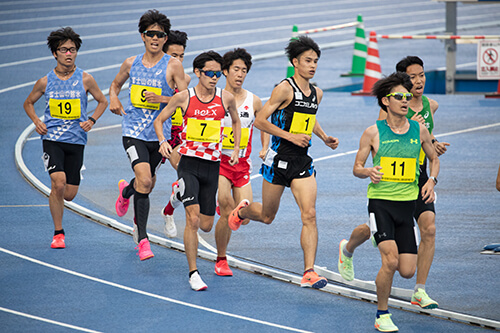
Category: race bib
[228,141]
[399,170]
[177,117]
[138,98]
[421,157]
[302,123]
[202,130]
[65,108]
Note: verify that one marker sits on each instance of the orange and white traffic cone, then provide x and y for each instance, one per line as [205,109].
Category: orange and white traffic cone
[495,94]
[373,71]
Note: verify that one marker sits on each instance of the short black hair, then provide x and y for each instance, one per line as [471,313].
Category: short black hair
[406,62]
[176,37]
[151,17]
[299,45]
[200,61]
[236,54]
[383,87]
[60,36]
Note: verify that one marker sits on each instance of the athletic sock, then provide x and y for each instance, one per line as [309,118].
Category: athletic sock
[129,190]
[419,286]
[168,210]
[57,232]
[192,272]
[309,270]
[220,259]
[141,211]
[345,252]
[382,312]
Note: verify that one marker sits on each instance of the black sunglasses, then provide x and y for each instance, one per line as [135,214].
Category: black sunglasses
[152,33]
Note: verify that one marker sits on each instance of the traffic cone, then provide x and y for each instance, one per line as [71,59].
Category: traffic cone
[290,70]
[373,72]
[359,55]
[494,95]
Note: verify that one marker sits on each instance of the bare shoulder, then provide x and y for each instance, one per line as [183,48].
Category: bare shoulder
[433,105]
[319,93]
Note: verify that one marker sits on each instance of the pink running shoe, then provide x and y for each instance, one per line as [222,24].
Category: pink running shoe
[122,203]
[144,250]
[222,268]
[234,222]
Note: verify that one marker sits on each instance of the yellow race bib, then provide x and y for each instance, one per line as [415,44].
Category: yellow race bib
[399,170]
[421,157]
[139,101]
[202,130]
[177,117]
[302,123]
[228,141]
[65,108]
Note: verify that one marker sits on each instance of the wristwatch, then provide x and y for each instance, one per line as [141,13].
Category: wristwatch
[434,179]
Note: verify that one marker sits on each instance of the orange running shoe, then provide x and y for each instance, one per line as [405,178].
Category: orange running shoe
[222,268]
[313,280]
[58,242]
[234,222]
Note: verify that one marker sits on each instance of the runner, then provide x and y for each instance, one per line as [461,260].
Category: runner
[395,145]
[65,124]
[204,108]
[235,178]
[292,107]
[153,77]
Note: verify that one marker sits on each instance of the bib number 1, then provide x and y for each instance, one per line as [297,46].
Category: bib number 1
[302,123]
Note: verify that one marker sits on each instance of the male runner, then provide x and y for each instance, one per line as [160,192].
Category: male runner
[204,108]
[395,145]
[235,178]
[65,125]
[153,77]
[421,109]
[292,106]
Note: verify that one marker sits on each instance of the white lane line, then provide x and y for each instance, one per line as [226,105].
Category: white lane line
[58,323]
[145,293]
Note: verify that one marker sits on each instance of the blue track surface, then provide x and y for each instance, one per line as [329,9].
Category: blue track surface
[97,282]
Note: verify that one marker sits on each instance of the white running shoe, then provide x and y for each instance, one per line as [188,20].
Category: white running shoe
[196,282]
[135,233]
[175,196]
[170,228]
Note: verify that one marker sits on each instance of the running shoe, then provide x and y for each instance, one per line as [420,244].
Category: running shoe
[196,282]
[222,268]
[122,203]
[234,221]
[174,197]
[58,242]
[313,280]
[135,233]
[217,208]
[170,229]
[346,269]
[421,299]
[144,252]
[384,323]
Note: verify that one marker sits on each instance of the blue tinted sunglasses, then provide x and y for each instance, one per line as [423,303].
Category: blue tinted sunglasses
[211,73]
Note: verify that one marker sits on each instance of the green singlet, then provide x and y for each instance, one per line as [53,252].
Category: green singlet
[398,155]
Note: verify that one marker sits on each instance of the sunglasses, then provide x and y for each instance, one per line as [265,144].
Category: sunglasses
[65,49]
[211,73]
[152,33]
[398,96]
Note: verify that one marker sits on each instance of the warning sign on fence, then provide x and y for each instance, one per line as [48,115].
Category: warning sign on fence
[488,61]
